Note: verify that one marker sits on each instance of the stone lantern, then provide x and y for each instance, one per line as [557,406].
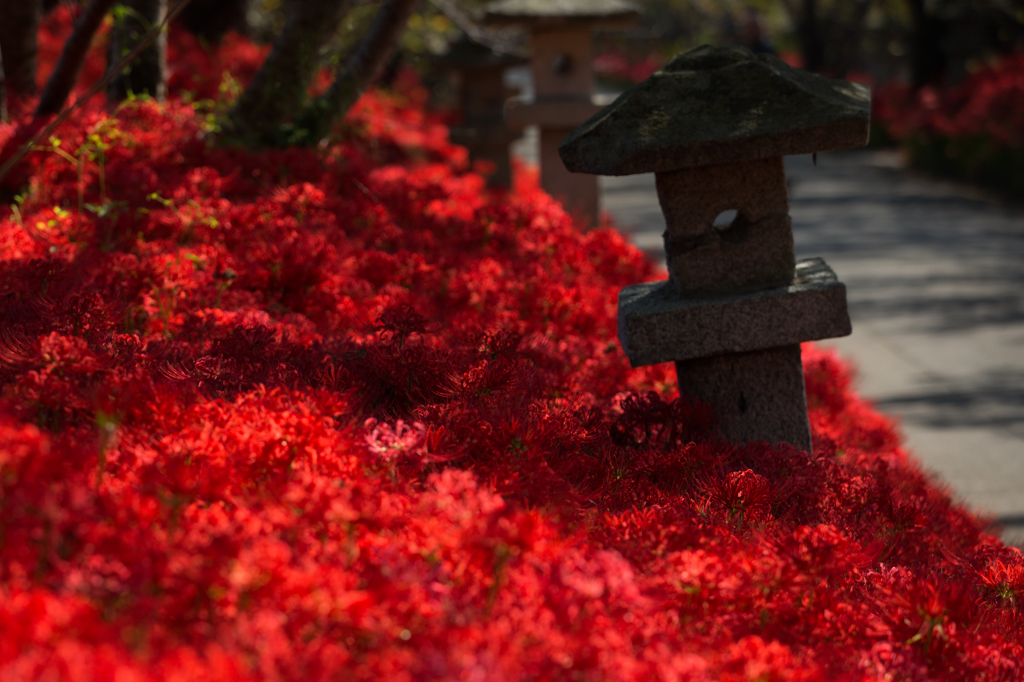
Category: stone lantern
[479,74]
[713,125]
[561,55]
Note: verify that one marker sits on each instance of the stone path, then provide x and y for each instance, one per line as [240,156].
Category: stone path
[935,281]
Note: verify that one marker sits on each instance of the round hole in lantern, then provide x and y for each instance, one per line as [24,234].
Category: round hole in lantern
[732,226]
[724,219]
[561,64]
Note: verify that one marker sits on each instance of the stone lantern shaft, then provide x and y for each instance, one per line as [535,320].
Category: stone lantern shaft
[754,250]
[713,126]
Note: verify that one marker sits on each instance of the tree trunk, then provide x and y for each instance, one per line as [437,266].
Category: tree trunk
[147,72]
[927,60]
[360,69]
[810,37]
[853,37]
[279,88]
[71,57]
[3,91]
[19,27]
[211,19]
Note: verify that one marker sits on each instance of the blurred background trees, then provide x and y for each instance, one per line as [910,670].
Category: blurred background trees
[19,24]
[130,21]
[921,42]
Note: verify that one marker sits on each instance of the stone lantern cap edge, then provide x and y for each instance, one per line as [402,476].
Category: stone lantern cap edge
[715,105]
[554,13]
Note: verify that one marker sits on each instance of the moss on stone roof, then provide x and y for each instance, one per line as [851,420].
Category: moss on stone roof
[714,105]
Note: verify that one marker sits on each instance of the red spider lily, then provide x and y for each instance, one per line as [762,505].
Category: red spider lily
[743,497]
[213,465]
[1004,582]
[989,104]
[400,322]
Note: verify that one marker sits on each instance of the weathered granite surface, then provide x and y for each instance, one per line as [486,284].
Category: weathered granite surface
[758,395]
[656,325]
[754,250]
[714,105]
[553,12]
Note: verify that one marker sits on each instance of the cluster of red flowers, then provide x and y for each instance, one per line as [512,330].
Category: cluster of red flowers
[626,69]
[310,413]
[989,103]
[973,131]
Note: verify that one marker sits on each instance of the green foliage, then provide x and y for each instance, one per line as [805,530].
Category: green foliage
[100,138]
[974,159]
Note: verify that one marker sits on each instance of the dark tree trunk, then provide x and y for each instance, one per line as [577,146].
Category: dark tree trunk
[853,40]
[211,19]
[278,90]
[71,57]
[19,27]
[360,69]
[927,59]
[147,72]
[3,91]
[811,42]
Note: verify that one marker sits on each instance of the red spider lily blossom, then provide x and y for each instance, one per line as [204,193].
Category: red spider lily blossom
[989,103]
[402,440]
[308,414]
[973,130]
[1006,582]
[740,496]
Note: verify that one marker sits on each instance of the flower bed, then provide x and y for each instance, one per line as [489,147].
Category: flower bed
[346,413]
[973,131]
[624,70]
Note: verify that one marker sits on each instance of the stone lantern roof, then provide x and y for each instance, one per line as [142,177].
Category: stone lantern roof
[714,105]
[545,14]
[466,53]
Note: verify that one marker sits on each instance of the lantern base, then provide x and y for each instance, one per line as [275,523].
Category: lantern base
[757,395]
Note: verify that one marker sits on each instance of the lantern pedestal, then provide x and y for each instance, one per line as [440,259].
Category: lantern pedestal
[739,352]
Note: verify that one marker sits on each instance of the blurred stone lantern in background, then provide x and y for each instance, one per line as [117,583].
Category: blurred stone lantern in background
[713,126]
[560,34]
[476,73]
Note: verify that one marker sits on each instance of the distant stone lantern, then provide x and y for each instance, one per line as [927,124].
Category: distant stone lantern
[713,125]
[482,93]
[561,55]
